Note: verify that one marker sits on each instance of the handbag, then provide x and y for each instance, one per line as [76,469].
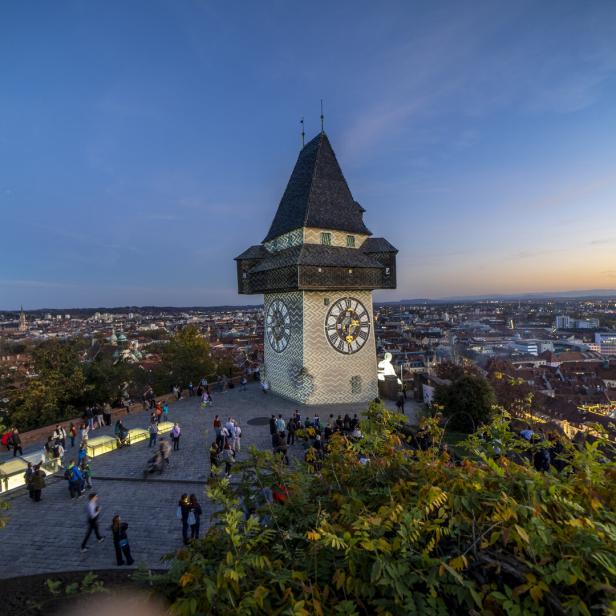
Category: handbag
[192,520]
[123,543]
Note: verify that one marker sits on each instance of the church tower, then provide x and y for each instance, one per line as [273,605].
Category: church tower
[317,268]
[23,324]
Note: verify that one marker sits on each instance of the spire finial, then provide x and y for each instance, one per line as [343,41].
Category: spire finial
[303,133]
[322,115]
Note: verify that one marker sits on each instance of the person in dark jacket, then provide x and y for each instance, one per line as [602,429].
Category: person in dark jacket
[38,482]
[291,431]
[120,541]
[272,425]
[28,479]
[16,443]
[183,512]
[196,511]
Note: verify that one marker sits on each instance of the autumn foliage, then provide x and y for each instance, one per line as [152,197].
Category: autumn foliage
[409,531]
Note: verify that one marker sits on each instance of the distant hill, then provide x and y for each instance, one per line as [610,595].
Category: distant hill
[582,294]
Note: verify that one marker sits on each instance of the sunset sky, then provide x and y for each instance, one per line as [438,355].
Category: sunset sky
[143,145]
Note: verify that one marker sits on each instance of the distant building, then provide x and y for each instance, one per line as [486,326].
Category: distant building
[606,342]
[563,322]
[587,323]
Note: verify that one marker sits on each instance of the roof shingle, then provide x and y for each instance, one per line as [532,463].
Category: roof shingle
[317,195]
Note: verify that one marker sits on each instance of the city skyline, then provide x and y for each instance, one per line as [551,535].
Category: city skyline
[141,151]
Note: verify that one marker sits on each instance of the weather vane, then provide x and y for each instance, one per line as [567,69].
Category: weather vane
[303,133]
[321,115]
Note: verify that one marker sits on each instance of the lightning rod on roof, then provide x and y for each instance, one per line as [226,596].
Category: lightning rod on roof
[321,115]
[303,133]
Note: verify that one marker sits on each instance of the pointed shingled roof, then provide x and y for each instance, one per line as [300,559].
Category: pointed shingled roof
[317,195]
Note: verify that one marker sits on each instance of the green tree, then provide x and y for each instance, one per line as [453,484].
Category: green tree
[467,403]
[107,379]
[186,357]
[58,390]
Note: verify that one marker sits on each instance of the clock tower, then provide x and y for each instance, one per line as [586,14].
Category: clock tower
[317,268]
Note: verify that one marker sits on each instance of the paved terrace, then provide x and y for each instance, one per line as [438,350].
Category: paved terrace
[46,536]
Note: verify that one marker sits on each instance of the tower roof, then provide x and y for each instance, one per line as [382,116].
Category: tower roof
[317,194]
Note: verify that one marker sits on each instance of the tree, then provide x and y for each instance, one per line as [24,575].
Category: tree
[58,390]
[451,371]
[467,403]
[107,379]
[407,532]
[186,358]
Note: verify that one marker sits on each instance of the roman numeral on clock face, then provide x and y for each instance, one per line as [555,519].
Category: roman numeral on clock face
[347,325]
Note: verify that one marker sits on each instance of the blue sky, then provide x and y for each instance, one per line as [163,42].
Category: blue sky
[143,145]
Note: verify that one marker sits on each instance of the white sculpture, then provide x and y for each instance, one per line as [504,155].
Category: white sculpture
[384,368]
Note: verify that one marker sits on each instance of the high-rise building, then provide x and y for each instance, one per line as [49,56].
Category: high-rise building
[317,268]
[563,321]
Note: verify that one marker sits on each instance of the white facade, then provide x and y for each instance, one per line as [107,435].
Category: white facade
[309,369]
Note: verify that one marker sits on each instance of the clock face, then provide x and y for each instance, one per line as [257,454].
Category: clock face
[347,325]
[278,325]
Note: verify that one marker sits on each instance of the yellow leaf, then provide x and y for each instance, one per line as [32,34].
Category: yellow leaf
[186,579]
[522,533]
[312,535]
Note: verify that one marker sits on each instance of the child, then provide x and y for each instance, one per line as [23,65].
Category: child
[86,471]
[72,432]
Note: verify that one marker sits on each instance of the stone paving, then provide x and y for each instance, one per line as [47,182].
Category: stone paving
[46,536]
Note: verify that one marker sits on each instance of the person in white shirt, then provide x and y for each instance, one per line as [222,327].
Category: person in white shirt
[236,438]
[93,511]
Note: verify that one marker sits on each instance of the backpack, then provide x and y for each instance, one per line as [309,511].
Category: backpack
[67,474]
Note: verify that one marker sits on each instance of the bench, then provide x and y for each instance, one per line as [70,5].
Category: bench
[12,474]
[101,444]
[136,435]
[165,426]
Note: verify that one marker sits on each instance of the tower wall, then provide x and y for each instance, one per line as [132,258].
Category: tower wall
[310,370]
[338,378]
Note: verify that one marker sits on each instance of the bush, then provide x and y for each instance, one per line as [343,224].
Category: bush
[467,403]
[407,532]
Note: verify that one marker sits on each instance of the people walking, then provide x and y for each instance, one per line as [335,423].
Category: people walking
[120,541]
[291,431]
[59,435]
[194,521]
[280,424]
[75,480]
[153,430]
[214,453]
[237,437]
[72,433]
[217,424]
[84,433]
[228,458]
[86,472]
[38,482]
[165,450]
[165,411]
[16,443]
[175,436]
[93,512]
[28,475]
[100,420]
[182,514]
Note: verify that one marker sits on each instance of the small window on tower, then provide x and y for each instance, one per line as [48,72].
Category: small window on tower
[350,241]
[387,271]
[326,239]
